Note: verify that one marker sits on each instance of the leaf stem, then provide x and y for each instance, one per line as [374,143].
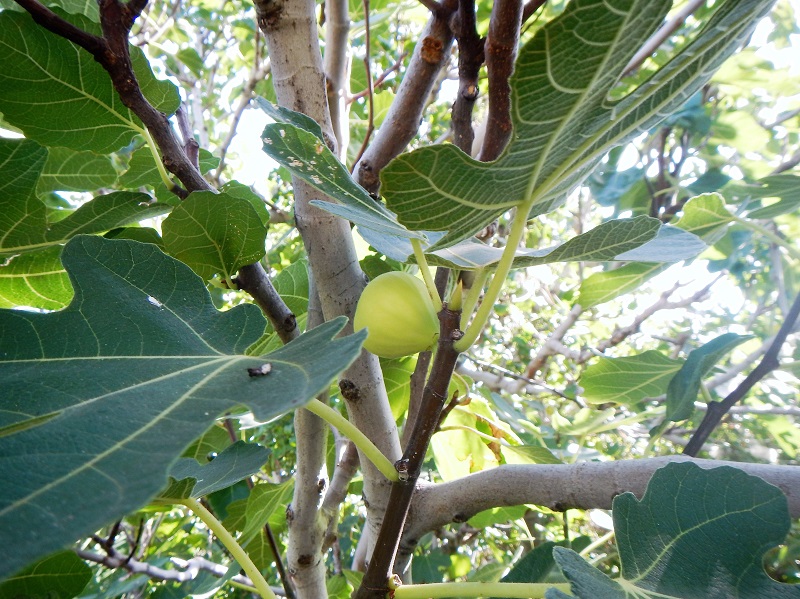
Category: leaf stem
[471,299]
[498,279]
[512,590]
[236,550]
[776,239]
[349,430]
[162,172]
[426,274]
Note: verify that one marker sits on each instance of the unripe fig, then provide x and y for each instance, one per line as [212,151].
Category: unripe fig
[398,314]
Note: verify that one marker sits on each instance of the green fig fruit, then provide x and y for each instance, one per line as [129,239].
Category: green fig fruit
[398,314]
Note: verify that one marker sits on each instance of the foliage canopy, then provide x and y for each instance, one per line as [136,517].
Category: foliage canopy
[608,193]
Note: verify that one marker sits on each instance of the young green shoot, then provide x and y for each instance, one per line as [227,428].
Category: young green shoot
[515,236]
[473,293]
[162,172]
[230,543]
[426,274]
[349,430]
[512,590]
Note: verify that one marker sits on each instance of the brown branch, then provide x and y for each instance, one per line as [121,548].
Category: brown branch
[470,59]
[374,584]
[254,280]
[52,22]
[112,53]
[530,8]
[380,80]
[717,410]
[402,121]
[431,5]
[502,42]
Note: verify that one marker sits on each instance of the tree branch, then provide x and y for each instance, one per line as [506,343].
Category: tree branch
[661,35]
[290,29]
[374,584]
[716,410]
[502,42]
[531,7]
[402,121]
[548,348]
[337,70]
[470,59]
[189,568]
[254,280]
[586,485]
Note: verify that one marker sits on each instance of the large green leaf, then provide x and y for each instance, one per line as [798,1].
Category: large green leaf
[250,514]
[695,534]
[214,233]
[704,216]
[35,280]
[99,400]
[640,238]
[630,379]
[564,121]
[684,386]
[59,95]
[62,575]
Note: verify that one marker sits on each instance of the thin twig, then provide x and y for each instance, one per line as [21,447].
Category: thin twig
[380,79]
[370,89]
[663,33]
[717,410]
[190,569]
[530,8]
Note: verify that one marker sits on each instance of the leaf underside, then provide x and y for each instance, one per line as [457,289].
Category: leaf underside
[564,122]
[98,400]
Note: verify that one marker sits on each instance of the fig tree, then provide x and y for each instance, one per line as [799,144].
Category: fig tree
[398,314]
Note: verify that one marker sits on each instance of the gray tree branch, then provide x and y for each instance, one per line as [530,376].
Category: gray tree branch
[291,32]
[585,485]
